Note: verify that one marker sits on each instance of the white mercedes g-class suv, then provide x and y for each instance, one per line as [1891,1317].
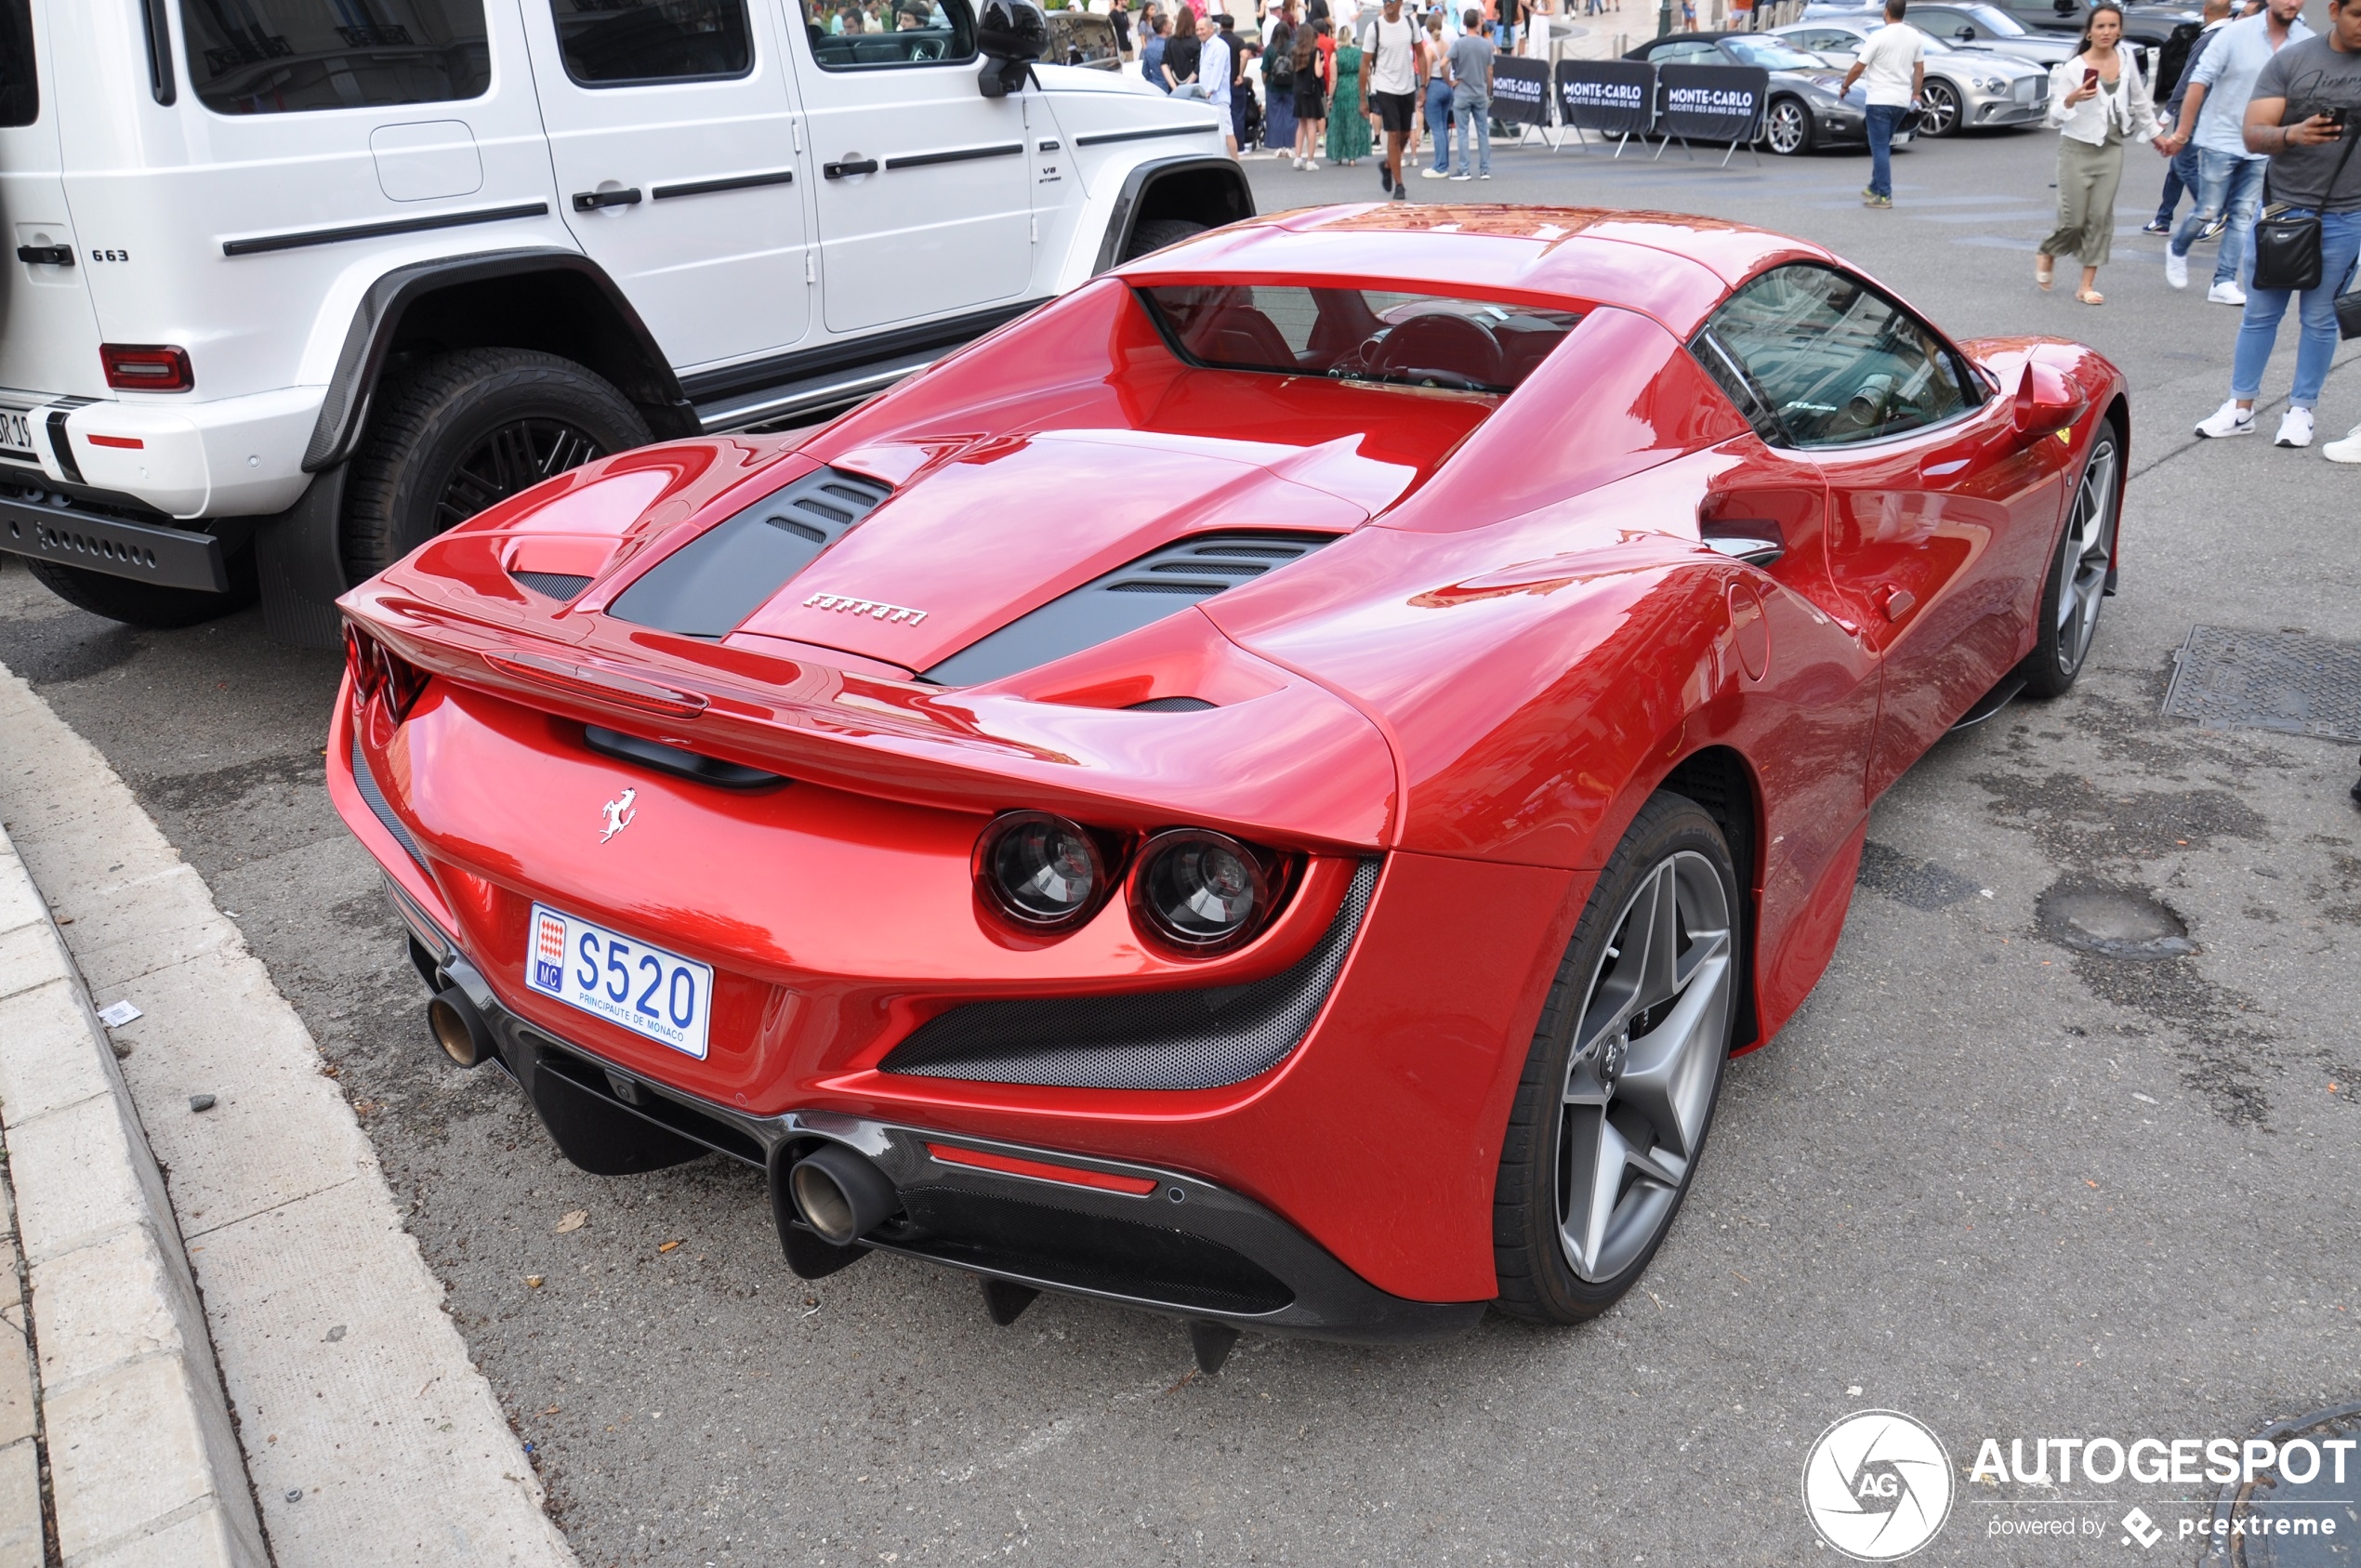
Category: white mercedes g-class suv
[297,283]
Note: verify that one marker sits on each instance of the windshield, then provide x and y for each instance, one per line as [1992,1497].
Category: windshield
[1771,56]
[1358,335]
[1996,21]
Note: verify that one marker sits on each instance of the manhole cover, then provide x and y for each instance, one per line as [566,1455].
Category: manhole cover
[2304,1509]
[2229,679]
[2114,922]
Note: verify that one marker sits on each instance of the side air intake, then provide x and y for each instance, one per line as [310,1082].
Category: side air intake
[706,587]
[1130,597]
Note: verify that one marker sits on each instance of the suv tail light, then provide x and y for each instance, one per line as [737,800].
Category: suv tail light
[146,367]
[376,673]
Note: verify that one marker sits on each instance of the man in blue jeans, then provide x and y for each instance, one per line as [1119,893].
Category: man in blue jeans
[2181,170]
[2305,117]
[2212,118]
[1893,60]
[1471,55]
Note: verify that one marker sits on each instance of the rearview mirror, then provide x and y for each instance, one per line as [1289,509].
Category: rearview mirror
[2046,400]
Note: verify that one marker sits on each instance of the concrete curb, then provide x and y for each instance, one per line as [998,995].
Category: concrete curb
[369,1435]
[144,1462]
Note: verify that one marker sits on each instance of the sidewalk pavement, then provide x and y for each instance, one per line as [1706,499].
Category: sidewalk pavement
[368,1435]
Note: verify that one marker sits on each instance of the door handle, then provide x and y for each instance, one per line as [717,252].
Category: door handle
[849,166]
[591,201]
[47,256]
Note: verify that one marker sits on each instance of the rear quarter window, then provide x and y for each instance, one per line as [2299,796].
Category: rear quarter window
[20,95]
[281,56]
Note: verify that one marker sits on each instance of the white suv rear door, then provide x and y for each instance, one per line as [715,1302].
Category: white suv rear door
[924,194]
[48,333]
[672,128]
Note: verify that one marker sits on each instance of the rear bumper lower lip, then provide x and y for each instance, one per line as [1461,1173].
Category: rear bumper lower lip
[1328,1300]
[170,558]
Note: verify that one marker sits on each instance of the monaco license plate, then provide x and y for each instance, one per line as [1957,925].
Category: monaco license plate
[16,435]
[621,979]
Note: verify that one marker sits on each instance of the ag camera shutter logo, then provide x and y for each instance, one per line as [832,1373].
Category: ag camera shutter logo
[1878,1486]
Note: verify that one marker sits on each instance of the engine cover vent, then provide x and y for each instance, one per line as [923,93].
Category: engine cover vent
[559,586]
[706,587]
[1185,572]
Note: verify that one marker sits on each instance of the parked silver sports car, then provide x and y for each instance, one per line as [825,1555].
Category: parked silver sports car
[1966,89]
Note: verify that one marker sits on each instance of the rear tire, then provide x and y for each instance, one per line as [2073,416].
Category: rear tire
[467,429]
[1158,232]
[136,603]
[1611,1118]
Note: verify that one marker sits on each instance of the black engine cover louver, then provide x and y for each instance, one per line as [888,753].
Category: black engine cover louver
[1132,596]
[706,587]
[561,585]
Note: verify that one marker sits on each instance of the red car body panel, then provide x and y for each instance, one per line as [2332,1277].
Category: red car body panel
[1517,633]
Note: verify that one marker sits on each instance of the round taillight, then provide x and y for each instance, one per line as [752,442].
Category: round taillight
[1200,891]
[1041,871]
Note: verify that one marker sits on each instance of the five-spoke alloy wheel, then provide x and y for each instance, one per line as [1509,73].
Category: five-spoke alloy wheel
[2079,573]
[1626,1064]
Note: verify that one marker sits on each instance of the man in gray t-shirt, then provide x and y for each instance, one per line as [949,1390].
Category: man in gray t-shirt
[2305,117]
[1471,55]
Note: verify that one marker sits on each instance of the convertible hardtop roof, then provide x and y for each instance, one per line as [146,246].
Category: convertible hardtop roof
[1674,267]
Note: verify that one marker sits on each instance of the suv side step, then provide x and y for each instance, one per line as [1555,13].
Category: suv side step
[812,382]
[820,394]
[170,558]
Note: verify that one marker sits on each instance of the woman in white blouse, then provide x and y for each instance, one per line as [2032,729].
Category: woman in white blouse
[2099,101]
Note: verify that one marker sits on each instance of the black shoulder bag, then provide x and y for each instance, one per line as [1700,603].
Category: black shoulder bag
[2287,248]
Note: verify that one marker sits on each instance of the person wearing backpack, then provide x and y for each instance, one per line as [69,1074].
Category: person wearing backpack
[1278,82]
[2174,73]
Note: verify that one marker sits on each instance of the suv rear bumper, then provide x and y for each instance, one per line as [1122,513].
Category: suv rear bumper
[170,558]
[239,456]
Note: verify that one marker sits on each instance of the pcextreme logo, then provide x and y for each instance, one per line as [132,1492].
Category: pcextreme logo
[1878,1486]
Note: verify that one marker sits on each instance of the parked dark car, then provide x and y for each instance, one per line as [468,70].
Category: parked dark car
[1808,108]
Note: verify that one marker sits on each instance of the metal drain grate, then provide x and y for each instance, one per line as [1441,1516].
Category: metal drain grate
[2229,679]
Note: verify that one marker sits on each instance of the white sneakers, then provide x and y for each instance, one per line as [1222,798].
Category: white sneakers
[2295,429]
[2227,420]
[2345,451]
[2226,292]
[2176,269]
[1431,172]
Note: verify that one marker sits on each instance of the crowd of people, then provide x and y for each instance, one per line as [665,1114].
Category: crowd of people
[1314,84]
[2258,124]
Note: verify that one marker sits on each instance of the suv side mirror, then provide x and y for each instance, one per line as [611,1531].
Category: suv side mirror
[1011,35]
[2046,400]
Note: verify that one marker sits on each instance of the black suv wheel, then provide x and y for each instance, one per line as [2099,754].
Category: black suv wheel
[466,429]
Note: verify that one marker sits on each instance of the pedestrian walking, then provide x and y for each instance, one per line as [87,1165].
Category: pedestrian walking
[1279,84]
[1396,77]
[1893,63]
[1310,91]
[1438,64]
[1472,57]
[2098,101]
[2304,119]
[1347,116]
[2213,114]
[2180,168]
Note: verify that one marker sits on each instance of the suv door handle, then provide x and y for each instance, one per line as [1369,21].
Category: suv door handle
[47,256]
[591,201]
[849,166]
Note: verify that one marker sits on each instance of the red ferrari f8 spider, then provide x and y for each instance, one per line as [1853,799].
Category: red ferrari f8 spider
[1266,790]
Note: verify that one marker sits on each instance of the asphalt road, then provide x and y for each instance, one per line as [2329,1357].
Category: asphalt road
[2012,1188]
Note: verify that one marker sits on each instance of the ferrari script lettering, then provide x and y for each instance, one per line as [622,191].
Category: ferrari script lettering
[870,607]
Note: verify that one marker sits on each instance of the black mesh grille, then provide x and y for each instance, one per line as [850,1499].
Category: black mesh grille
[1149,1040]
[1125,599]
[706,587]
[556,584]
[1087,1251]
[377,806]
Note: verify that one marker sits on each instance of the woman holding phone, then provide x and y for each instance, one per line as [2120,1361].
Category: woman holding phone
[2098,101]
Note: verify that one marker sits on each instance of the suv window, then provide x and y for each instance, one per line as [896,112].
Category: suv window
[1829,360]
[867,34]
[279,57]
[19,93]
[611,43]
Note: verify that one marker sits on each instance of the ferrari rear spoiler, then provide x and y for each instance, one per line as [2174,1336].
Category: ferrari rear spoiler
[1294,765]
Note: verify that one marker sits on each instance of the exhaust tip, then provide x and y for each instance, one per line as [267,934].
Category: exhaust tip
[842,1194]
[458,1028]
